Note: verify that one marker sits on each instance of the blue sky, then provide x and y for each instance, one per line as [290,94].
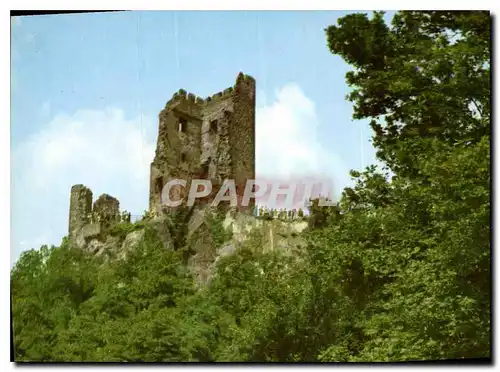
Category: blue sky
[86,90]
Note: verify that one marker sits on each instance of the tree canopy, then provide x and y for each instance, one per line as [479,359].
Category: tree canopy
[398,270]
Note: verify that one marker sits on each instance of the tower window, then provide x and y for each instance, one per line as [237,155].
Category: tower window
[183,157]
[159,184]
[213,126]
[204,169]
[182,125]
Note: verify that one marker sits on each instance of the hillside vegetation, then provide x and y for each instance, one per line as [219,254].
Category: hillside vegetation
[399,270]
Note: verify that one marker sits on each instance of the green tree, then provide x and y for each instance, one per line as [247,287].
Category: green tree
[425,76]
[411,254]
[47,288]
[398,270]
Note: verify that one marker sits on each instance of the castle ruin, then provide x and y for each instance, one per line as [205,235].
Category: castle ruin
[87,220]
[212,138]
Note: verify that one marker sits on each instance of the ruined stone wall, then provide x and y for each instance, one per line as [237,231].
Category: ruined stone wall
[107,208]
[242,133]
[87,221]
[276,234]
[80,207]
[217,143]
[177,152]
[217,114]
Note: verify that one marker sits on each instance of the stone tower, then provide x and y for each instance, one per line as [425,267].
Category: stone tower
[108,208]
[212,138]
[87,221]
[80,207]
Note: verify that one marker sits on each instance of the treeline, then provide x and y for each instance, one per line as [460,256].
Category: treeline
[399,270]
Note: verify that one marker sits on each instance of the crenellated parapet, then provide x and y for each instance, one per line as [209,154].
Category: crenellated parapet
[190,98]
[243,78]
[183,96]
[219,96]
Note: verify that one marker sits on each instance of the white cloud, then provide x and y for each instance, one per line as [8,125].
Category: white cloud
[88,147]
[101,149]
[287,144]
[111,154]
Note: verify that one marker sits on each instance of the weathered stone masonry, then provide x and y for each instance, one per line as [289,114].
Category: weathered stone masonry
[107,208]
[80,208]
[212,138]
[87,221]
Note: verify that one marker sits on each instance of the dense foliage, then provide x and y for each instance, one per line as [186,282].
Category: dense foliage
[398,270]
